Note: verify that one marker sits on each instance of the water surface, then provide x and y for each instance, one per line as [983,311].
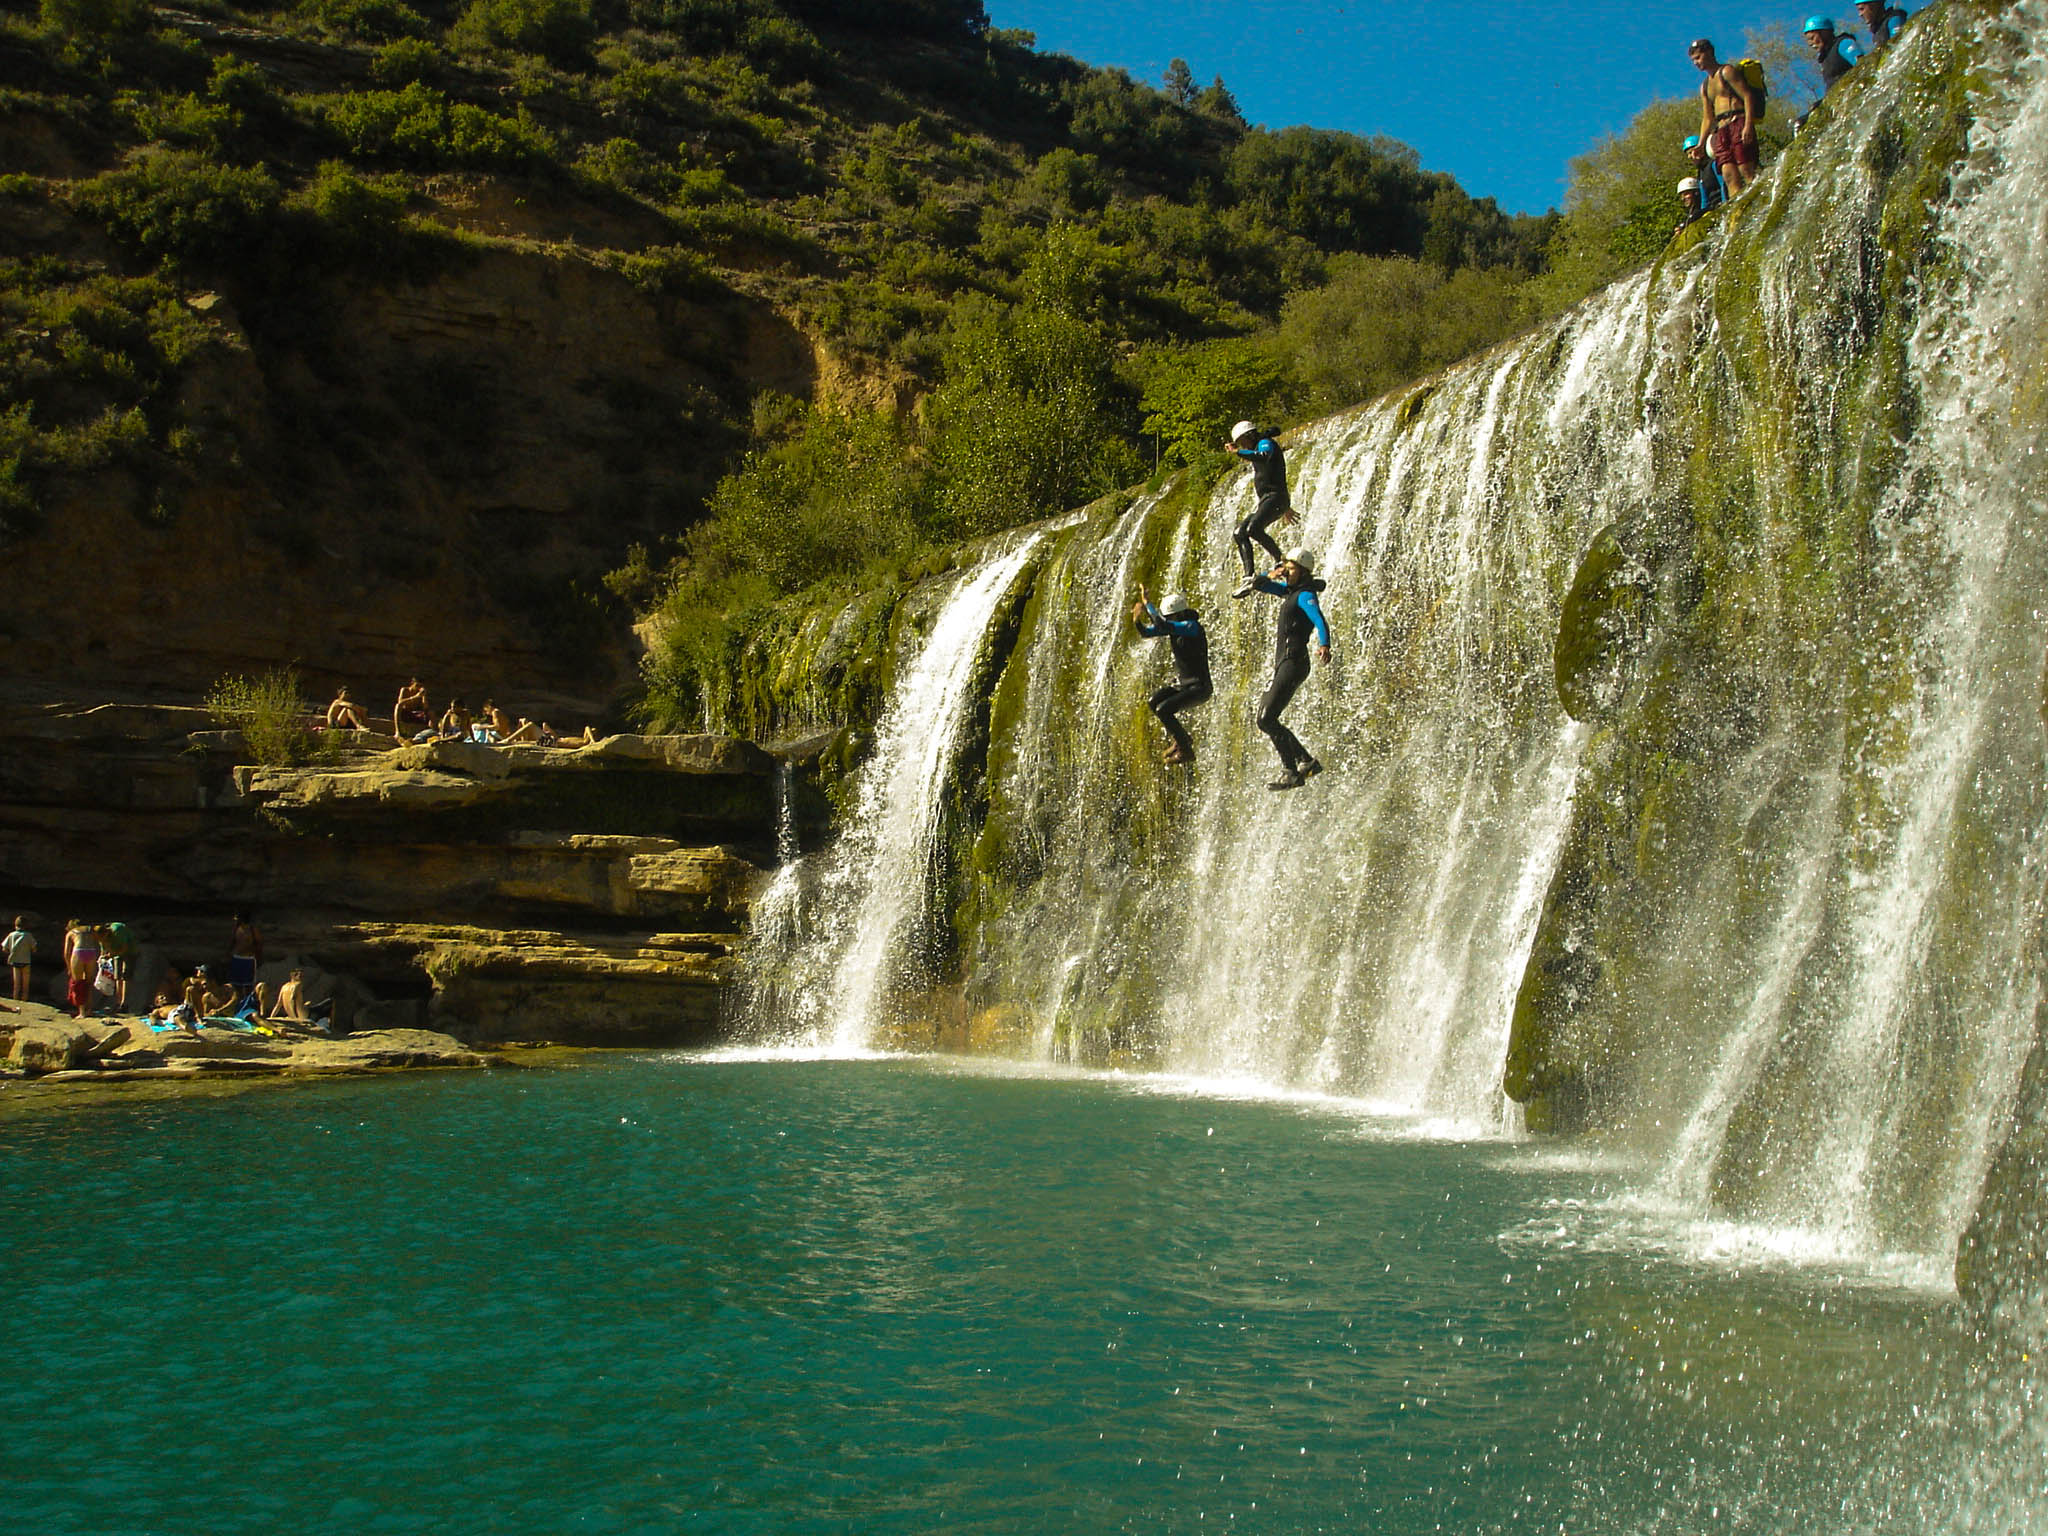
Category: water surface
[703,1294]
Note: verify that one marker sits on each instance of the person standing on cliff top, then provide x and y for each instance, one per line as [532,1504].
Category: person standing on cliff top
[1712,193]
[20,949]
[1176,621]
[1271,504]
[1729,117]
[1835,53]
[1689,202]
[1293,582]
[1881,21]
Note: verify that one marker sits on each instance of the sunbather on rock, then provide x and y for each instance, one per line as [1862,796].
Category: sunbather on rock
[345,713]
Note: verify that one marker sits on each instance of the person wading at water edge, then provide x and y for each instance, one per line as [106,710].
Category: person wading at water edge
[1269,487]
[1293,582]
[1731,109]
[1176,621]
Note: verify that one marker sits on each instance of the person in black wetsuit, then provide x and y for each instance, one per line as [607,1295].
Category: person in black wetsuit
[1176,621]
[1271,504]
[1835,52]
[1293,581]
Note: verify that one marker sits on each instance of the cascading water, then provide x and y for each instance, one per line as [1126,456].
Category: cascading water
[838,972]
[1683,733]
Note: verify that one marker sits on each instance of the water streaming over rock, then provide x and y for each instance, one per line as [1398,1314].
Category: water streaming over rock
[873,886]
[1683,732]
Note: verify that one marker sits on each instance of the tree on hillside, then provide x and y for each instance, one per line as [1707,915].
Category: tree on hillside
[1217,102]
[1179,83]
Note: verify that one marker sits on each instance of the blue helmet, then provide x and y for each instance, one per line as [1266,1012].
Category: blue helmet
[1818,24]
[1692,141]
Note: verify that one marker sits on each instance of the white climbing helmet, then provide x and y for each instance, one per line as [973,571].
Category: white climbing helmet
[1303,557]
[1175,602]
[1242,429]
[1689,184]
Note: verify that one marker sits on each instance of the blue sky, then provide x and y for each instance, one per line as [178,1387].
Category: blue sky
[1500,96]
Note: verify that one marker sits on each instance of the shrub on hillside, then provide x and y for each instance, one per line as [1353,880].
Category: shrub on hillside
[420,126]
[840,494]
[1381,321]
[181,207]
[94,20]
[374,21]
[557,30]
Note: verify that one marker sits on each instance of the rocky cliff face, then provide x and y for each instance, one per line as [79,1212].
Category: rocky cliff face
[591,895]
[428,475]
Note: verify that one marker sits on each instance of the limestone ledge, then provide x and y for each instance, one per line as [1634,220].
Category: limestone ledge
[499,986]
[43,1043]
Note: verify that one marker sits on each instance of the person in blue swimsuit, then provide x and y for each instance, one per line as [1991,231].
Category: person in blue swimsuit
[1176,622]
[1270,505]
[1294,582]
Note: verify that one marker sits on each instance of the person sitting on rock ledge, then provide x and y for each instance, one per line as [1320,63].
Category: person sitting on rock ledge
[290,1005]
[411,719]
[456,724]
[172,1007]
[346,713]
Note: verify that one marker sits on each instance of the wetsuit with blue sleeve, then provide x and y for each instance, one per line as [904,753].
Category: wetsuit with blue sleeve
[1713,190]
[1190,643]
[1837,62]
[1269,485]
[1300,616]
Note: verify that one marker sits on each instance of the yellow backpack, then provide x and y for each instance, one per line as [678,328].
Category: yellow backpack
[1753,72]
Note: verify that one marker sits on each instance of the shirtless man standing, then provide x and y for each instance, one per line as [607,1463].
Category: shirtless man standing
[1728,117]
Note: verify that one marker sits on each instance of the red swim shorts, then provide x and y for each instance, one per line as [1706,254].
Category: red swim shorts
[1729,147]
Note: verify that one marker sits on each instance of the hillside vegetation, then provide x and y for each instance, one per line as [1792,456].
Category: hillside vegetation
[1028,281]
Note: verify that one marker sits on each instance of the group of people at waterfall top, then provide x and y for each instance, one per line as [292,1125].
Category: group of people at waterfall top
[1724,151]
[1291,578]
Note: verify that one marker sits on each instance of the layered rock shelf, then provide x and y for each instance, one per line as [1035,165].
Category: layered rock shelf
[39,1042]
[586,895]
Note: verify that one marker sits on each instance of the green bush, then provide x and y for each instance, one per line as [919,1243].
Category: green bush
[401,62]
[374,21]
[364,210]
[269,712]
[839,495]
[180,207]
[94,20]
[1029,421]
[420,126]
[1382,321]
[1191,395]
[557,30]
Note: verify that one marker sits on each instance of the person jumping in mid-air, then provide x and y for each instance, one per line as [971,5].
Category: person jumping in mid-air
[1176,621]
[1271,505]
[1293,582]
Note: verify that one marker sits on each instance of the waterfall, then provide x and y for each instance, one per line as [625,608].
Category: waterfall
[840,962]
[1761,908]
